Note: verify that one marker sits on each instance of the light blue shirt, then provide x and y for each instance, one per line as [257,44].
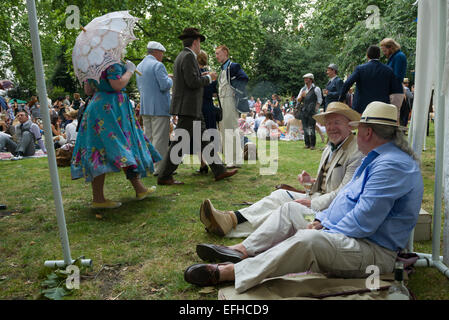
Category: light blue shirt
[382,201]
[154,87]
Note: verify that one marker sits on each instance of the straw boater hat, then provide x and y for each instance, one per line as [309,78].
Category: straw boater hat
[339,108]
[380,113]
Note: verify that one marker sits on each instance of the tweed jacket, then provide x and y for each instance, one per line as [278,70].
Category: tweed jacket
[187,86]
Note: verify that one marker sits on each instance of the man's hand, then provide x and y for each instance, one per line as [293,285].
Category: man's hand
[305,177]
[213,75]
[304,202]
[315,225]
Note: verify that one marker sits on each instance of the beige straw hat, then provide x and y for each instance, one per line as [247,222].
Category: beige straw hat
[379,113]
[339,108]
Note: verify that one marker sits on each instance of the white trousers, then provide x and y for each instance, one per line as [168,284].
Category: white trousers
[282,245]
[157,130]
[257,213]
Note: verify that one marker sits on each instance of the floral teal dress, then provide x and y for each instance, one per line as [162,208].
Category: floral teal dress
[109,137]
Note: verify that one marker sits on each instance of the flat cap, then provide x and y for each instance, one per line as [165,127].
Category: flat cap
[155,46]
[308,75]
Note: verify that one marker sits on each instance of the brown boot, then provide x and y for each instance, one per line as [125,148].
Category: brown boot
[216,221]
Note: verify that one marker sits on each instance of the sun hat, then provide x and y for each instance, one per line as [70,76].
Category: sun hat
[308,75]
[379,113]
[154,45]
[337,108]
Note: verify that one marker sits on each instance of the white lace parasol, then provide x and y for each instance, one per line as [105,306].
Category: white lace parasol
[101,44]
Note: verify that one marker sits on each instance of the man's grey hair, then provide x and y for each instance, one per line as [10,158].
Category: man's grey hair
[395,135]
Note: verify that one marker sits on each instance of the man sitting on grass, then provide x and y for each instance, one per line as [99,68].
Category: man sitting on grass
[368,222]
[26,134]
[338,162]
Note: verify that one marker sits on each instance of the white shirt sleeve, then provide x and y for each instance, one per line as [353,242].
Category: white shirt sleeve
[318,95]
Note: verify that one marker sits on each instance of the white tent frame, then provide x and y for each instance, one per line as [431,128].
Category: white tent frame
[42,90]
[428,73]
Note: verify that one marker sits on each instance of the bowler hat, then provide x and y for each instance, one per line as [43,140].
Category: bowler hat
[191,33]
[338,108]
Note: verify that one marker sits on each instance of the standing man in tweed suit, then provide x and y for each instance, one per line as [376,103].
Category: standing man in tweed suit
[186,103]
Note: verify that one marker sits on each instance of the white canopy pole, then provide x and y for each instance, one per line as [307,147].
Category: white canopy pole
[439,131]
[42,90]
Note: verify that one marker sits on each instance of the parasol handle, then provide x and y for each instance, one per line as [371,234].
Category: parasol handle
[82,28]
[137,71]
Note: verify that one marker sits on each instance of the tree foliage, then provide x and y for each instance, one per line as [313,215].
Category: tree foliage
[262,35]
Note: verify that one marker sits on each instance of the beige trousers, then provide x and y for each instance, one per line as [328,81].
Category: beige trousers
[257,213]
[229,126]
[157,130]
[283,245]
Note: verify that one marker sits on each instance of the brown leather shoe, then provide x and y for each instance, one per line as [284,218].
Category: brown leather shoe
[168,182]
[203,275]
[214,253]
[225,174]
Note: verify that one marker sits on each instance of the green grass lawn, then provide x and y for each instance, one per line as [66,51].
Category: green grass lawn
[141,249]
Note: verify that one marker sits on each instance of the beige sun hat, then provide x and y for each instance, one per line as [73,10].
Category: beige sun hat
[379,113]
[339,108]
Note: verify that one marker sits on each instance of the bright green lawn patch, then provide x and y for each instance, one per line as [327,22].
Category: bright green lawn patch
[141,249]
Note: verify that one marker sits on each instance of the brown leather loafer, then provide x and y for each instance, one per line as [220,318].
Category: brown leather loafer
[225,174]
[169,182]
[203,275]
[214,253]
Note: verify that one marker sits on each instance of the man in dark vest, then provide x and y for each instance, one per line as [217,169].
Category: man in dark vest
[309,100]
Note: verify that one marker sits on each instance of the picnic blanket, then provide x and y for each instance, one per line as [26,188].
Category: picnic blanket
[8,155]
[313,286]
[308,286]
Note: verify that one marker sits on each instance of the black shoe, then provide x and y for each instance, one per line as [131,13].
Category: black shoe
[217,253]
[203,170]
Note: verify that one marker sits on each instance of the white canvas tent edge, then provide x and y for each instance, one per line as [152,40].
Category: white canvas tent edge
[432,68]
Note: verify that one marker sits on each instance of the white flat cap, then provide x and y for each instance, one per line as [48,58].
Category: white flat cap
[308,75]
[155,46]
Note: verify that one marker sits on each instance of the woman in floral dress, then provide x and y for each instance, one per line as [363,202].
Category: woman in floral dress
[110,139]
